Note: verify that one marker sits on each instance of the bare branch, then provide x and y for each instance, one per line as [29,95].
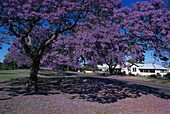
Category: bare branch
[26,47]
[11,28]
[70,27]
[29,42]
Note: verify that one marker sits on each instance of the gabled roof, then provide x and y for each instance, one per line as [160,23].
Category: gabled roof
[140,66]
[150,66]
[104,66]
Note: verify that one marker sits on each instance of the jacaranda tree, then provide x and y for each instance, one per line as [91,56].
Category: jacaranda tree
[124,32]
[149,25]
[106,43]
[21,18]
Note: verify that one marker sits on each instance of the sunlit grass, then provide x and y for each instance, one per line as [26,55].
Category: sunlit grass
[154,80]
[15,71]
[13,74]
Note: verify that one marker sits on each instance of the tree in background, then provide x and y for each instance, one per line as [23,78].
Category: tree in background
[124,33]
[133,61]
[149,25]
[10,63]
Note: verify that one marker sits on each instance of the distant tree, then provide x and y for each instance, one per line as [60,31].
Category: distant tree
[149,26]
[1,66]
[145,27]
[133,61]
[89,67]
[11,64]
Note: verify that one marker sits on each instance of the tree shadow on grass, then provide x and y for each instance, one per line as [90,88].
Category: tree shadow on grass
[56,73]
[16,87]
[107,90]
[91,89]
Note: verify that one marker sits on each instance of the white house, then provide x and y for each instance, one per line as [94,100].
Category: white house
[139,69]
[103,67]
[148,69]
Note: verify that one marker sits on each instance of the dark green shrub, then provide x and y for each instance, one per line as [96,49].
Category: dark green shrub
[153,76]
[167,75]
[130,74]
[158,75]
[119,73]
[138,74]
[124,73]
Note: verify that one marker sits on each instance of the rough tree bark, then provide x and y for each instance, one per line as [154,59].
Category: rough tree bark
[110,69]
[34,69]
[35,62]
[111,66]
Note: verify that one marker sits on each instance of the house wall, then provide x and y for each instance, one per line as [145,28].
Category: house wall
[125,70]
[149,73]
[88,71]
[162,73]
[137,71]
[134,70]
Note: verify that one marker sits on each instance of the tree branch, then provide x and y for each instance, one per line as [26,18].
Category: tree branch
[70,27]
[11,28]
[29,41]
[31,26]
[55,35]
[26,47]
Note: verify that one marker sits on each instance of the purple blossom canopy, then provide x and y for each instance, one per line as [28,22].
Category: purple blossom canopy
[85,31]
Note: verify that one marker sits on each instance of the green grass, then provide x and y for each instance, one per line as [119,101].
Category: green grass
[15,71]
[11,77]
[13,74]
[154,80]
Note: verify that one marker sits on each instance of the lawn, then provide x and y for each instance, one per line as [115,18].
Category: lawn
[15,71]
[71,95]
[13,74]
[146,79]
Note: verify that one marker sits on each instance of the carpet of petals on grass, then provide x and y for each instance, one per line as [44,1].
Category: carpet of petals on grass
[62,104]
[74,98]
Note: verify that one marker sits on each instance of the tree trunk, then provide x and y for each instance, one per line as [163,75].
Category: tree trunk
[33,72]
[111,70]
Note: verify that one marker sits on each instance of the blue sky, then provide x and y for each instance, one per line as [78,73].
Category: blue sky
[130,2]
[149,58]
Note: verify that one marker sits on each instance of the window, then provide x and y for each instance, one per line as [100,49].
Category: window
[152,70]
[147,70]
[141,70]
[134,69]
[163,71]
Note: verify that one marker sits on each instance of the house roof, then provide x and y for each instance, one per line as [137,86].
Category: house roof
[150,66]
[140,66]
[104,66]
